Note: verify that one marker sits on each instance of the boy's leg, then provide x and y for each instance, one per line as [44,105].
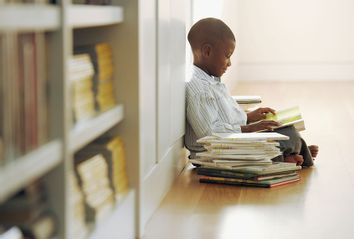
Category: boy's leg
[295,145]
[291,146]
[306,154]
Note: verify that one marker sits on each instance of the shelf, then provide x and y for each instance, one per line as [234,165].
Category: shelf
[86,131]
[16,174]
[120,223]
[29,17]
[80,16]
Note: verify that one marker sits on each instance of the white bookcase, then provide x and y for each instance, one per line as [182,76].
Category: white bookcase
[67,25]
[148,44]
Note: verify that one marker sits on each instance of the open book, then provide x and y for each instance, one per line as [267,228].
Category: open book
[289,116]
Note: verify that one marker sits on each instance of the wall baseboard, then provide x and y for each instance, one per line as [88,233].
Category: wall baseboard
[159,181]
[295,72]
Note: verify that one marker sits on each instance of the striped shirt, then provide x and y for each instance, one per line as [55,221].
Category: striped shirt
[209,109]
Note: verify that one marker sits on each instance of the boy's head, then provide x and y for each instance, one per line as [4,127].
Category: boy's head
[212,43]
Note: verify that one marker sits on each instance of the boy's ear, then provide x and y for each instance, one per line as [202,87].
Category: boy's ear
[206,50]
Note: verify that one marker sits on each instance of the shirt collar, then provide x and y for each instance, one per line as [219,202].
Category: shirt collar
[202,75]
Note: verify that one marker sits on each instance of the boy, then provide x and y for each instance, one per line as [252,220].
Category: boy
[209,107]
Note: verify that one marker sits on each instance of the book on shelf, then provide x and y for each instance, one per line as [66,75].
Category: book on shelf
[81,81]
[29,210]
[1,152]
[288,116]
[102,59]
[93,177]
[77,228]
[43,227]
[12,233]
[112,149]
[24,98]
[93,2]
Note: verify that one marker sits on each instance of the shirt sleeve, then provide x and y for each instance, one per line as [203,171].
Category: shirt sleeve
[203,116]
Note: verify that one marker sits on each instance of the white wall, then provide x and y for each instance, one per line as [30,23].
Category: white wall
[230,17]
[287,39]
[161,91]
[296,40]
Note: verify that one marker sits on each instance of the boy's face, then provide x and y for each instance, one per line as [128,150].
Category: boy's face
[219,57]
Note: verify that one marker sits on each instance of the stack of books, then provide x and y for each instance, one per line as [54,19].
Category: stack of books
[244,159]
[78,229]
[101,181]
[29,211]
[1,152]
[102,60]
[93,178]
[112,148]
[12,233]
[81,81]
[23,93]
[93,2]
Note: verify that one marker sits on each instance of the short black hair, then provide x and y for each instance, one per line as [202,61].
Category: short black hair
[208,30]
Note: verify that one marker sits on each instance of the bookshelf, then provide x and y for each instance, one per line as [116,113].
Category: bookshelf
[140,33]
[91,16]
[33,17]
[85,132]
[29,166]
[123,214]
[64,26]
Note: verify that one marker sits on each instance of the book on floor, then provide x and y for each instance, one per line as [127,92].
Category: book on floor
[247,99]
[249,182]
[244,159]
[234,173]
[271,136]
[256,170]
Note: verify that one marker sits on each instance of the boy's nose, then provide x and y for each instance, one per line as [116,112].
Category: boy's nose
[229,63]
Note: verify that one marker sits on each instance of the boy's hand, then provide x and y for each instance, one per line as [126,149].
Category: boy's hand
[261,125]
[259,114]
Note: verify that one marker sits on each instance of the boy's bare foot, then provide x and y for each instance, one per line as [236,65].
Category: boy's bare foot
[313,150]
[294,158]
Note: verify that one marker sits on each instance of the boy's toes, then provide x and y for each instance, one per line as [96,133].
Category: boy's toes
[313,150]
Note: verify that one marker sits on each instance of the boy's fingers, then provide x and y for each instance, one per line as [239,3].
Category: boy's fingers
[271,110]
[271,122]
[267,110]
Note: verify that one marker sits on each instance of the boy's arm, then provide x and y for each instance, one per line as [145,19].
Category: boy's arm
[203,116]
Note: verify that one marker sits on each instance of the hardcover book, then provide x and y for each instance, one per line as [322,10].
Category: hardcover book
[248,182]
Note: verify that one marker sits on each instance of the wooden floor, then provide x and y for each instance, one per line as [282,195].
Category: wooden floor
[319,206]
